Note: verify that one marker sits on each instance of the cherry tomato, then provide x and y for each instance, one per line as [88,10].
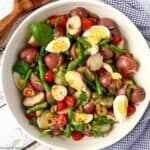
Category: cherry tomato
[28,91]
[93,21]
[76,135]
[86,23]
[70,101]
[61,105]
[131,110]
[49,76]
[58,21]
[30,116]
[60,120]
[116,39]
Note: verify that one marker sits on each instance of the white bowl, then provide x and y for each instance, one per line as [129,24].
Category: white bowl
[136,44]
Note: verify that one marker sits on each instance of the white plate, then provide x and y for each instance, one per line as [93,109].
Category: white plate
[136,44]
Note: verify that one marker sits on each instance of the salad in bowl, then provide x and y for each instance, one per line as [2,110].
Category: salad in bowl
[76,75]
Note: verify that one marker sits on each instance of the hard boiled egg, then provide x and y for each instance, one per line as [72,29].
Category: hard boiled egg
[58,45]
[82,117]
[96,33]
[120,107]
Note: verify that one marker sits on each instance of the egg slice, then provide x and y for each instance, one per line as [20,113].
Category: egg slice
[58,45]
[96,33]
[120,107]
[82,117]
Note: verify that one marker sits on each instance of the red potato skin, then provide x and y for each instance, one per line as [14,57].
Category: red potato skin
[126,65]
[73,51]
[106,52]
[59,31]
[28,91]
[79,11]
[28,55]
[36,83]
[138,95]
[109,23]
[105,79]
[122,90]
[53,60]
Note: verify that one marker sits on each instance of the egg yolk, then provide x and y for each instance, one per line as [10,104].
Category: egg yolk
[122,107]
[59,45]
[96,34]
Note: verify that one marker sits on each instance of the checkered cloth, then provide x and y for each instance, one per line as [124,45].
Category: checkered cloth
[139,137]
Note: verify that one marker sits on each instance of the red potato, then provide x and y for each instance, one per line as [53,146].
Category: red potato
[122,90]
[73,51]
[79,11]
[60,120]
[28,55]
[35,82]
[53,60]
[56,131]
[126,65]
[105,79]
[31,101]
[75,80]
[106,52]
[59,31]
[89,108]
[95,62]
[138,95]
[107,22]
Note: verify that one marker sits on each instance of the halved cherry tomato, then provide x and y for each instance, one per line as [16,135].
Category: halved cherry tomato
[30,116]
[131,110]
[86,23]
[61,105]
[49,76]
[93,21]
[76,135]
[70,101]
[28,91]
[116,39]
[60,120]
[61,21]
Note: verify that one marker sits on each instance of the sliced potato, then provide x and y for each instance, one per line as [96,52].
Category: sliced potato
[82,117]
[74,25]
[121,44]
[106,128]
[32,42]
[45,120]
[59,92]
[95,62]
[64,111]
[107,67]
[31,101]
[75,80]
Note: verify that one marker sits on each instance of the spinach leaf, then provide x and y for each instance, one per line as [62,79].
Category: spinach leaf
[102,120]
[68,130]
[21,67]
[78,127]
[42,33]
[82,97]
[45,132]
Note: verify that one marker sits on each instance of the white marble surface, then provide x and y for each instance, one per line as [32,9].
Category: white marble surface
[10,133]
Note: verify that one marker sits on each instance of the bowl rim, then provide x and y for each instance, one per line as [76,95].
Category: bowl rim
[56,4]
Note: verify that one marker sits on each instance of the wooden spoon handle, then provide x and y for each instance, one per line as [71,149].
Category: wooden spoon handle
[20,7]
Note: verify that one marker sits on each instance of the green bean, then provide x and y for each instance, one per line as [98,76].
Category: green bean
[37,107]
[70,115]
[68,130]
[74,64]
[27,77]
[99,88]
[128,93]
[104,41]
[116,49]
[42,72]
[79,50]
[91,85]
[85,44]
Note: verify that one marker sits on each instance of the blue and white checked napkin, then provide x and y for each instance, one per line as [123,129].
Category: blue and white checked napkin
[139,137]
